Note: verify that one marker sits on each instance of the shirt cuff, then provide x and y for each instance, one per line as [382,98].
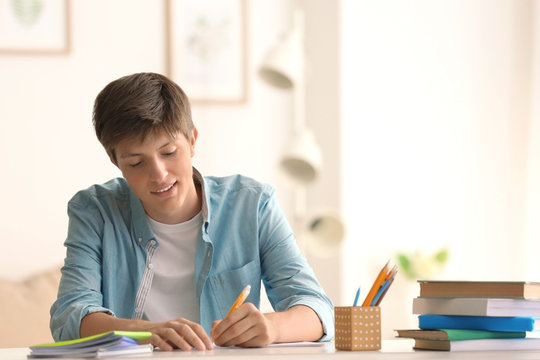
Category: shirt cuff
[324,311]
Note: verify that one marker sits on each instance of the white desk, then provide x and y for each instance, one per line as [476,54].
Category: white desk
[391,349]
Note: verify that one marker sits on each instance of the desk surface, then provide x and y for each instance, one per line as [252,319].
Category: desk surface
[391,349]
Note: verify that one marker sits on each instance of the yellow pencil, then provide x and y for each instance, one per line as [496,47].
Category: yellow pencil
[240,299]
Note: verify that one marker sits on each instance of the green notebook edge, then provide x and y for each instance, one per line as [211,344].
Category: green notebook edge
[135,335]
[467,334]
[464,334]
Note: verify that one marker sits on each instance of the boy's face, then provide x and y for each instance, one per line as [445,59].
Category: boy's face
[160,173]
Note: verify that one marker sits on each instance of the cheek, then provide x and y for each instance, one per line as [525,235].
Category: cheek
[135,182]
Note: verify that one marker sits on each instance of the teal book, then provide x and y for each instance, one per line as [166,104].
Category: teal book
[112,343]
[492,323]
[458,334]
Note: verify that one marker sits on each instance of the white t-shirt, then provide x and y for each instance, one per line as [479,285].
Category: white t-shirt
[172,294]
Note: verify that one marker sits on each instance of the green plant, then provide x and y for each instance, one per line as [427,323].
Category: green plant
[417,265]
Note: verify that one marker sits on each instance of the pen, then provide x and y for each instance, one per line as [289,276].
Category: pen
[357,296]
[240,299]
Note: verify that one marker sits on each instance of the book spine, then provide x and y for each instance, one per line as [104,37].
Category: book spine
[448,306]
[476,322]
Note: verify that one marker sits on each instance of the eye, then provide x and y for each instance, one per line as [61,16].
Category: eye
[170,153]
[136,164]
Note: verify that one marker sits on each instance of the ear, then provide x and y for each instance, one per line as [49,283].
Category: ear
[193,140]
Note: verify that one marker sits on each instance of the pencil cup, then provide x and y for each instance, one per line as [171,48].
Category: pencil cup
[357,328]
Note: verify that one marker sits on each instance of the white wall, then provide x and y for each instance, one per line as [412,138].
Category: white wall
[49,148]
[437,112]
[323,115]
[47,140]
[427,113]
[533,159]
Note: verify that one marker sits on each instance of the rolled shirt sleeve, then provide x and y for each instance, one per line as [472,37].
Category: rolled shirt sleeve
[288,278]
[80,287]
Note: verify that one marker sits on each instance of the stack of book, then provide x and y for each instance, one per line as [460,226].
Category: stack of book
[476,315]
[108,344]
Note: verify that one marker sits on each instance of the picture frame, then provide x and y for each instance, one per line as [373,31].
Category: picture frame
[34,27]
[206,49]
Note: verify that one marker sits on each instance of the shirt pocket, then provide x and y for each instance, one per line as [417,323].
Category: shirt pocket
[227,285]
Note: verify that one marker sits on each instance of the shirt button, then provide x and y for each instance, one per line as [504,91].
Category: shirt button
[140,240]
[153,242]
[150,266]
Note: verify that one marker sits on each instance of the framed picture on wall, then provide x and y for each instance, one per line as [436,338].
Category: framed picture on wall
[206,49]
[34,26]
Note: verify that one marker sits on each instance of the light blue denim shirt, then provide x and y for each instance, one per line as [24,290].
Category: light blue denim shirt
[245,239]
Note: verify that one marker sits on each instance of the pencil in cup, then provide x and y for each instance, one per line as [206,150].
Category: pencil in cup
[376,285]
[380,286]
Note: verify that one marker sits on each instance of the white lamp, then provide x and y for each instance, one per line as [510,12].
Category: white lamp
[302,159]
[284,68]
[325,233]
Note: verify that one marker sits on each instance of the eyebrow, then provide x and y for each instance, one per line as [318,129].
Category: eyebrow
[124,156]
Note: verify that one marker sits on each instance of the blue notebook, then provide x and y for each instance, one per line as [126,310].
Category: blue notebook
[479,322]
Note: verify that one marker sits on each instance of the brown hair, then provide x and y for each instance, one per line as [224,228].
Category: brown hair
[139,105]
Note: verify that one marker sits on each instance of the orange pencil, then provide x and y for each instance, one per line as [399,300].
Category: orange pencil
[389,280]
[240,299]
[376,285]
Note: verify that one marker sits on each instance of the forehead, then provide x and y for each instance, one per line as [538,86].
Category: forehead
[151,142]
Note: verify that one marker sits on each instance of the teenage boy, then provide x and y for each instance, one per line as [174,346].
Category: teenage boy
[166,250]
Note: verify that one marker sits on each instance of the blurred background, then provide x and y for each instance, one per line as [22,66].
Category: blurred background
[425,116]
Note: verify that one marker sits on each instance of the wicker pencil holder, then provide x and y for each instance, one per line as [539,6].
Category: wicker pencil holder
[358,328]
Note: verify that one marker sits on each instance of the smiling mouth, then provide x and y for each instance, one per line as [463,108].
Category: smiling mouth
[165,189]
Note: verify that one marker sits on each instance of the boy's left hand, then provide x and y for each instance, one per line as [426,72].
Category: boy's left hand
[245,327]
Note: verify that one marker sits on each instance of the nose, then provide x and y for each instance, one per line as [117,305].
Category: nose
[158,171]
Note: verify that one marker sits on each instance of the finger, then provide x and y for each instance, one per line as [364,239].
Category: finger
[245,337]
[203,336]
[254,336]
[213,326]
[236,333]
[159,342]
[223,326]
[172,338]
[195,335]
[197,329]
[216,329]
[220,326]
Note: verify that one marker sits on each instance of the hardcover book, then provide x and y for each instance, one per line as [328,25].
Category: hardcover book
[476,306]
[518,323]
[500,289]
[458,334]
[478,344]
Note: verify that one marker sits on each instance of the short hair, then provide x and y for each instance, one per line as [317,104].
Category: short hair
[139,105]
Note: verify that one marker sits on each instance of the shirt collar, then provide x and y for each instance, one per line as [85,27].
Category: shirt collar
[140,224]
[205,209]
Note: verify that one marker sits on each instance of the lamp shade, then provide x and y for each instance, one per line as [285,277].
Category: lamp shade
[283,66]
[302,159]
[325,234]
